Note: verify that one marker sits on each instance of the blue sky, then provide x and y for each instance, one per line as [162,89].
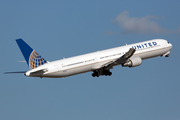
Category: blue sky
[57,29]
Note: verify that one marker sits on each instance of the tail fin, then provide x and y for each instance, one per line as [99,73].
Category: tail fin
[32,58]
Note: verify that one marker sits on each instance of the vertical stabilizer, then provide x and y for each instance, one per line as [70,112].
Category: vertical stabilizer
[32,58]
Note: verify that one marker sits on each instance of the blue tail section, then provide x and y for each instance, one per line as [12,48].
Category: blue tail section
[32,58]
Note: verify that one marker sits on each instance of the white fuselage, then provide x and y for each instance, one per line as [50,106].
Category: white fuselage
[94,61]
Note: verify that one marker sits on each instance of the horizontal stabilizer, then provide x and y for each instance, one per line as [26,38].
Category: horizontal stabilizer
[15,72]
[39,72]
[36,73]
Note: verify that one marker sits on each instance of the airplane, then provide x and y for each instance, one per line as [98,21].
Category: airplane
[99,62]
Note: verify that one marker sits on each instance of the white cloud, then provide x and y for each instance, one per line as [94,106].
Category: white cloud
[143,25]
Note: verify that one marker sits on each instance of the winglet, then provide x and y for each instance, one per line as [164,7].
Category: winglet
[32,58]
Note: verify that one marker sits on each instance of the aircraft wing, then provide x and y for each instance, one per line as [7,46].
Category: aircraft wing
[120,60]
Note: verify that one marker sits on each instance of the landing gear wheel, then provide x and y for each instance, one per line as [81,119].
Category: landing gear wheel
[107,72]
[110,73]
[167,55]
[95,74]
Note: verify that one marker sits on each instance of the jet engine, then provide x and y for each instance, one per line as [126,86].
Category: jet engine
[133,62]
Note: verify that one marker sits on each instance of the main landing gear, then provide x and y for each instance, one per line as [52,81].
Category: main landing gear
[105,72]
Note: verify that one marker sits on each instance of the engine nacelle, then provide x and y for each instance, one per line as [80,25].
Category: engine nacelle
[133,62]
